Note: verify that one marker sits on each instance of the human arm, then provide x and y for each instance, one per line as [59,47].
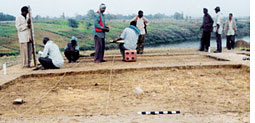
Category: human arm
[45,51]
[97,21]
[122,36]
[134,19]
[146,21]
[20,24]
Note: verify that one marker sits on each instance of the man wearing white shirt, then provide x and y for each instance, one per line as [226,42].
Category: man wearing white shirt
[141,24]
[230,31]
[23,25]
[218,29]
[130,37]
[51,57]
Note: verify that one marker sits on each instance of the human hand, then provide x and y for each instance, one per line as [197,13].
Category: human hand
[29,21]
[106,29]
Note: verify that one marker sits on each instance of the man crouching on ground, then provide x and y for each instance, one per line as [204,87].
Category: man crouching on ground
[130,36]
[72,51]
[51,57]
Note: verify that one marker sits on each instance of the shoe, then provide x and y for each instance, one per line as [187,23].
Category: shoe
[97,62]
[103,61]
[216,51]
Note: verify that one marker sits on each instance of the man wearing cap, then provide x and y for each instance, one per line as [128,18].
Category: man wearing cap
[207,29]
[72,51]
[218,29]
[23,25]
[230,31]
[99,34]
[51,57]
[141,24]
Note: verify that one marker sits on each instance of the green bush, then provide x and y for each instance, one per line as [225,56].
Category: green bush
[73,23]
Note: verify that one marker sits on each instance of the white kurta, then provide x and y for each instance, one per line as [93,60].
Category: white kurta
[23,30]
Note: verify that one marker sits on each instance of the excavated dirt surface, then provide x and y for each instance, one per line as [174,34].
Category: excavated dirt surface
[202,94]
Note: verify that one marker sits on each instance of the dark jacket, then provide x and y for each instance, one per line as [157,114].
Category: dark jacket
[207,23]
[70,47]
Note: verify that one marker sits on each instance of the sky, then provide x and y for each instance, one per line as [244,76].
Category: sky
[55,8]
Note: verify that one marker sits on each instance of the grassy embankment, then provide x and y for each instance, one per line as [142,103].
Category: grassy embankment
[159,32]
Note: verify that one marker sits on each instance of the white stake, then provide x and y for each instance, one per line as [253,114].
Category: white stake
[4,68]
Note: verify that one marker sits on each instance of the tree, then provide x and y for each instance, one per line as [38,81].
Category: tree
[178,16]
[6,17]
[91,14]
[73,23]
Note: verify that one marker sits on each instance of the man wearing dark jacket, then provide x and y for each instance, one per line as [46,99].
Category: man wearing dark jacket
[72,51]
[207,29]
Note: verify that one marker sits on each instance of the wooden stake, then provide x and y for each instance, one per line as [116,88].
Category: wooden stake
[32,37]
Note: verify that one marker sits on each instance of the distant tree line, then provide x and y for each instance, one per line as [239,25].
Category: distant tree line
[6,17]
[90,15]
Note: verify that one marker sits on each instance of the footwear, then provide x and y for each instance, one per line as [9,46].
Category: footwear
[216,51]
[97,62]
[103,61]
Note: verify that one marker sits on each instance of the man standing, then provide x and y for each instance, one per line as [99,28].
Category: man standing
[99,34]
[207,29]
[51,57]
[130,37]
[230,31]
[218,29]
[72,51]
[141,24]
[23,25]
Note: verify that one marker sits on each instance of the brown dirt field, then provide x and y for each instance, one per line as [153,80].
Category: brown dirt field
[203,86]
[142,60]
[198,92]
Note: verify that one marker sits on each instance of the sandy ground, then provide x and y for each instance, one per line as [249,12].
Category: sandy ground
[204,89]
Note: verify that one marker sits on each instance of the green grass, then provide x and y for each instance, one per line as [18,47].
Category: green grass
[159,32]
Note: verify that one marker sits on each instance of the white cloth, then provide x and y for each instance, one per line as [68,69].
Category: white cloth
[231,31]
[52,51]
[219,20]
[140,24]
[130,38]
[23,30]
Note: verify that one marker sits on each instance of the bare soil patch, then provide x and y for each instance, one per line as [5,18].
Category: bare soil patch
[196,90]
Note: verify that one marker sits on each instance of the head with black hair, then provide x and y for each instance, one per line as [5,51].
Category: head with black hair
[45,40]
[133,23]
[205,11]
[140,13]
[24,11]
[217,9]
[230,16]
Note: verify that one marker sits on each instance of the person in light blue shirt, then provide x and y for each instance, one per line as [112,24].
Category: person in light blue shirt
[130,36]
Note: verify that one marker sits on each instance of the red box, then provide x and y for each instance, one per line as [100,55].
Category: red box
[130,55]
